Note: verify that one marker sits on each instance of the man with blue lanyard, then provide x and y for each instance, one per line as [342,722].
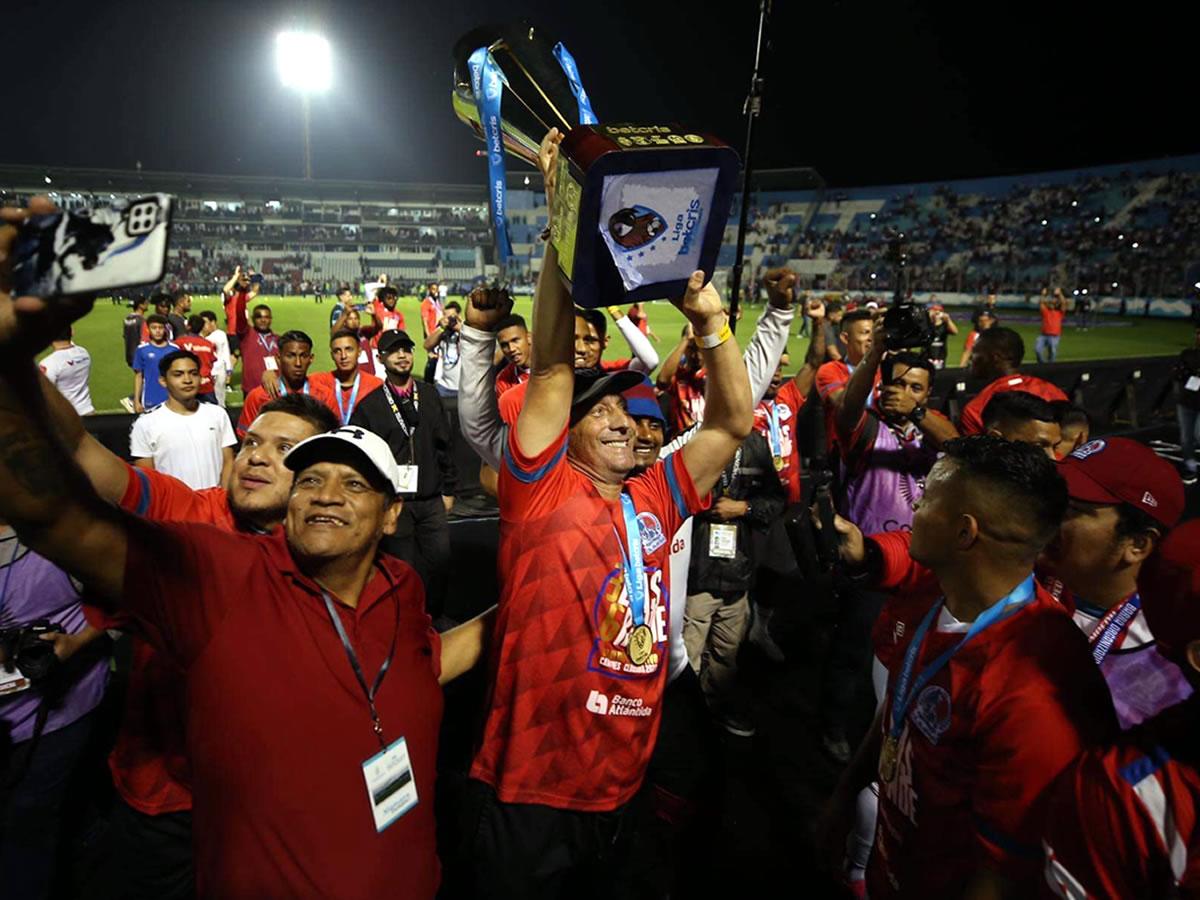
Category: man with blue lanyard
[991,691]
[1124,499]
[295,358]
[411,417]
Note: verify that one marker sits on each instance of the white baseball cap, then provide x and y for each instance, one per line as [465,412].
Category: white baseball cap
[351,446]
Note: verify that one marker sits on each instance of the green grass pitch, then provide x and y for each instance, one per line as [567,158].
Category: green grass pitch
[100,333]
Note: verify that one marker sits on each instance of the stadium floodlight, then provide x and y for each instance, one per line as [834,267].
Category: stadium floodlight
[1084,291]
[306,66]
[305,62]
[1120,237]
[1114,284]
[1074,202]
[1097,219]
[1135,245]
[1044,223]
[47,179]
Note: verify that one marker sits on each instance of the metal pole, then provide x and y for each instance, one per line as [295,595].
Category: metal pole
[753,107]
[307,141]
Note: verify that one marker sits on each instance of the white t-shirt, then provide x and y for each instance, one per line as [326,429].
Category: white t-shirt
[68,370]
[445,376]
[220,341]
[187,447]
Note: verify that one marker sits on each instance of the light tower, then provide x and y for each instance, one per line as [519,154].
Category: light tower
[306,66]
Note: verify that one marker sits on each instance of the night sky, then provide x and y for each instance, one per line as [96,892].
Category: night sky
[865,94]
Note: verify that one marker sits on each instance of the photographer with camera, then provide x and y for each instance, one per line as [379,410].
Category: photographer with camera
[410,416]
[48,692]
[444,340]
[236,296]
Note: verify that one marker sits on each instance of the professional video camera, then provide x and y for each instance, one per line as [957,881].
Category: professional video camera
[23,648]
[905,325]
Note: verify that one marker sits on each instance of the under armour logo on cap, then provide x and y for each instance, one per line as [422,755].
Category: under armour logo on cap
[1148,499]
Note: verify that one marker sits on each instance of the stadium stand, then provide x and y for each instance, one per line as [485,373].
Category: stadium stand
[1127,236]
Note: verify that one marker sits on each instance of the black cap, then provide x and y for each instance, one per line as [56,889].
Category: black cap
[592,384]
[390,340]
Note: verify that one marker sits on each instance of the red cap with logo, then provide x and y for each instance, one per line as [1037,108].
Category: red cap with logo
[1120,470]
[1169,585]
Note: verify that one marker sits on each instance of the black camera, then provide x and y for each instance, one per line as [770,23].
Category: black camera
[24,649]
[905,325]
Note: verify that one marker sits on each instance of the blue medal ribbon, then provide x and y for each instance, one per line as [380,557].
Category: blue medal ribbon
[903,695]
[283,391]
[487,86]
[567,61]
[345,413]
[632,561]
[774,431]
[1110,628]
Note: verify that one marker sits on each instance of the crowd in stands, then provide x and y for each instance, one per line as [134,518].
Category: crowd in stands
[1017,596]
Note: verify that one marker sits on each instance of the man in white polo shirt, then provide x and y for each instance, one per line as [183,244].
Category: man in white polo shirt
[190,440]
[68,368]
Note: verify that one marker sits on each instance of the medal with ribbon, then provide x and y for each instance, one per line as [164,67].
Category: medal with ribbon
[908,687]
[775,436]
[641,639]
[345,411]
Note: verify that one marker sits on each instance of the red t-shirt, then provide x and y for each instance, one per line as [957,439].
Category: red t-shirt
[345,399]
[982,741]
[616,365]
[509,377]
[149,762]
[258,398]
[1125,820]
[431,312]
[205,352]
[832,377]
[686,391]
[278,727]
[571,720]
[386,319]
[235,313]
[784,410]
[971,419]
[1052,320]
[255,349]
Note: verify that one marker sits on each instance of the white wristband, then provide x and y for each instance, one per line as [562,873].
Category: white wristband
[709,341]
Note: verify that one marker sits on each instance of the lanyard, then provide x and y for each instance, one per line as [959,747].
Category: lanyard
[729,476]
[283,391]
[635,587]
[266,344]
[774,431]
[358,672]
[903,695]
[1112,626]
[345,413]
[391,395]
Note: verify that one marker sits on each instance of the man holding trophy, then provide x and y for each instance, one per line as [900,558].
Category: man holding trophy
[579,658]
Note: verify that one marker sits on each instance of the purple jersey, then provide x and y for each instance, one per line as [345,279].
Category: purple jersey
[32,587]
[883,475]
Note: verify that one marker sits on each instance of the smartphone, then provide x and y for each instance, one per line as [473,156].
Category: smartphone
[93,250]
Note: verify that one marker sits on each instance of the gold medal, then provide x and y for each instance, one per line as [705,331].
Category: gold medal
[889,757]
[780,462]
[641,645]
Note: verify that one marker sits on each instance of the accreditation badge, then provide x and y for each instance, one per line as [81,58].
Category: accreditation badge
[408,479]
[391,787]
[722,541]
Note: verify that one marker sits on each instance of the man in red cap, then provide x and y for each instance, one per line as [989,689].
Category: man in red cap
[1123,818]
[996,356]
[1124,499]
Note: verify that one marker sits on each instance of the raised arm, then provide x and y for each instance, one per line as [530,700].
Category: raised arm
[728,414]
[806,377]
[853,400]
[645,357]
[770,337]
[233,279]
[667,373]
[478,411]
[547,406]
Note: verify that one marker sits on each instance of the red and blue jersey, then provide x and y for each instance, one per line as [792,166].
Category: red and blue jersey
[982,741]
[1123,819]
[572,719]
